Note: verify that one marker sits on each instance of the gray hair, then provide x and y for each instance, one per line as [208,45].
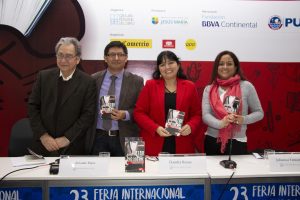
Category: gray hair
[69,40]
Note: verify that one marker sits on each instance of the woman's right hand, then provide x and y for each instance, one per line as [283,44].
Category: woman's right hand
[230,118]
[162,132]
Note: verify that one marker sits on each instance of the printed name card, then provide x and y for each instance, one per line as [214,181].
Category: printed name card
[182,163]
[83,166]
[284,162]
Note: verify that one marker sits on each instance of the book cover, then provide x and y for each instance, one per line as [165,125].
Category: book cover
[231,104]
[108,103]
[22,14]
[134,154]
[174,121]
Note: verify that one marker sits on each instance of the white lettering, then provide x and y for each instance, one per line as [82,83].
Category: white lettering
[289,190]
[102,194]
[263,191]
[152,193]
[9,195]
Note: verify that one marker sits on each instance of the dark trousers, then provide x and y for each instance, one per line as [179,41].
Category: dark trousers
[105,143]
[211,147]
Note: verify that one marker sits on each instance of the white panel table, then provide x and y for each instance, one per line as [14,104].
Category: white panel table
[115,183]
[252,180]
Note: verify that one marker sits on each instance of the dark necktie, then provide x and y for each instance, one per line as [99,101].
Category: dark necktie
[107,123]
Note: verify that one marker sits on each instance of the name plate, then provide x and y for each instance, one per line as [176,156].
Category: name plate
[182,163]
[83,166]
[284,162]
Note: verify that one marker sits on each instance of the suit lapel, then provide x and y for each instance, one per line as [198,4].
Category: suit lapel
[53,82]
[124,88]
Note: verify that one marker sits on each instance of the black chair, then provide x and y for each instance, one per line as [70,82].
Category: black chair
[20,138]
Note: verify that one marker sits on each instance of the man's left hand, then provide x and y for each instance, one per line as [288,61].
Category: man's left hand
[118,114]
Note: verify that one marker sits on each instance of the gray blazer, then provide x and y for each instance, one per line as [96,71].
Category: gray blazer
[131,86]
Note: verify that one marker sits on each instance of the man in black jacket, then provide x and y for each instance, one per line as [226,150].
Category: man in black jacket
[62,104]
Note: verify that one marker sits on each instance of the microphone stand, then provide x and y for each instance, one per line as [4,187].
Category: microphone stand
[229,164]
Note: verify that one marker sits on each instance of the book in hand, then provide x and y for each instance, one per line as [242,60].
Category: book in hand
[107,104]
[134,154]
[231,104]
[22,14]
[174,122]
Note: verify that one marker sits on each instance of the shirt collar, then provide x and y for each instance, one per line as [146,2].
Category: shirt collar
[119,75]
[68,78]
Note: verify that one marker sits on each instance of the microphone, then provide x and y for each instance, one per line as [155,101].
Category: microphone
[229,164]
[231,104]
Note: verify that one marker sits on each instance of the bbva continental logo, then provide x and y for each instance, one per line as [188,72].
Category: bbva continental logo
[190,44]
[136,43]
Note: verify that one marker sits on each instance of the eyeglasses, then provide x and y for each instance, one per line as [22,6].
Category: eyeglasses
[120,55]
[67,57]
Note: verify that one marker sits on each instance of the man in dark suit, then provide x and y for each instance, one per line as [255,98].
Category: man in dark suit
[126,88]
[62,104]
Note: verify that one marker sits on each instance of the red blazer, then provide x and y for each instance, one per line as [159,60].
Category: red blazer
[149,114]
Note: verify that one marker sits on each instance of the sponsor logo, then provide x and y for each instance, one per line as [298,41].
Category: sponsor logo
[210,24]
[168,44]
[292,22]
[275,22]
[154,20]
[228,24]
[190,44]
[120,17]
[219,21]
[170,20]
[135,43]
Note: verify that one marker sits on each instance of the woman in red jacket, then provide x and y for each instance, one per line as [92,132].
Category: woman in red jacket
[168,89]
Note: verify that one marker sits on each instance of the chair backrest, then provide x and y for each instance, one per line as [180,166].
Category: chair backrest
[20,138]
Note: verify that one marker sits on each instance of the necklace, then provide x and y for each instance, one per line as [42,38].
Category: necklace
[168,91]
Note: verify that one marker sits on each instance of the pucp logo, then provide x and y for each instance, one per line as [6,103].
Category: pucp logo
[154,20]
[275,22]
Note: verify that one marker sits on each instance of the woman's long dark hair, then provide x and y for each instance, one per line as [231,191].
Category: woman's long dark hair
[163,56]
[236,61]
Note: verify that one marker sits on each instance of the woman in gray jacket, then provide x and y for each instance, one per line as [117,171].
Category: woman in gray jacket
[225,107]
